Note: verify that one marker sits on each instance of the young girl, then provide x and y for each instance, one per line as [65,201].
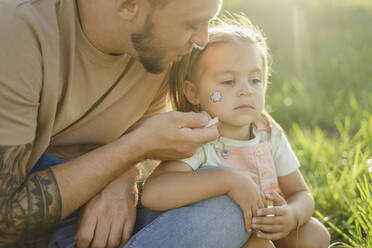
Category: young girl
[252,158]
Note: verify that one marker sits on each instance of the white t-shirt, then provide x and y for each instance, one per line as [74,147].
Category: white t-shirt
[284,158]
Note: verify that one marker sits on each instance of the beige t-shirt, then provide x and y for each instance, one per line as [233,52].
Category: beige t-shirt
[61,93]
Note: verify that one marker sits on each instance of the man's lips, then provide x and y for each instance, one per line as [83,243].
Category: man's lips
[244,107]
[178,58]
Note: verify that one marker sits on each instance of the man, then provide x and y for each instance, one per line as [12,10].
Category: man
[85,80]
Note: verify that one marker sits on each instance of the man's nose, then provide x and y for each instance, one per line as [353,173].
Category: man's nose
[200,37]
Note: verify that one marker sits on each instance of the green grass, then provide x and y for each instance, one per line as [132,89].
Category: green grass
[321,93]
[337,171]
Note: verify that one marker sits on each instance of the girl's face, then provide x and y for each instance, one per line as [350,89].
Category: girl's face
[235,71]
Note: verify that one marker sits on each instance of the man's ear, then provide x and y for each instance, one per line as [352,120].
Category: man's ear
[191,92]
[127,9]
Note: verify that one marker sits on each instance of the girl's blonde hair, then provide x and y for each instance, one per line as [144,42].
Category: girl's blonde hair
[229,28]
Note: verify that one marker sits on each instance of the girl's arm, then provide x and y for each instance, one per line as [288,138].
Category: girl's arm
[298,196]
[173,184]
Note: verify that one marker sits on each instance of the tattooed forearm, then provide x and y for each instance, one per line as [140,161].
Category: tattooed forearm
[27,204]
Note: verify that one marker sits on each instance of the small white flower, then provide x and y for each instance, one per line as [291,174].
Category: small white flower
[216,96]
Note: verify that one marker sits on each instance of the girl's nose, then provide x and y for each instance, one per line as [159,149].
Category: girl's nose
[246,89]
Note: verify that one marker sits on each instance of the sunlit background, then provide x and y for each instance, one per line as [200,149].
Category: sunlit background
[321,93]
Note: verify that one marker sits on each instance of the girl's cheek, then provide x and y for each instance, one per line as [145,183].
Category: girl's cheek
[211,107]
[262,103]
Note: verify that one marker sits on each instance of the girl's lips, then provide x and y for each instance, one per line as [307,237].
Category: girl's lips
[245,107]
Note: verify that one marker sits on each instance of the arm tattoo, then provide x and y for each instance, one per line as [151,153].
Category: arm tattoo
[28,204]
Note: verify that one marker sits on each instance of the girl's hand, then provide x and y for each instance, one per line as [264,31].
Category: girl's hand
[281,222]
[246,193]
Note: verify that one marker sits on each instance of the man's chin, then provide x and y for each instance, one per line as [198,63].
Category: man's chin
[155,70]
[153,67]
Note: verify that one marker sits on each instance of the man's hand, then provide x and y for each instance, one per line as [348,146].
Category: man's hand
[275,222]
[108,219]
[175,135]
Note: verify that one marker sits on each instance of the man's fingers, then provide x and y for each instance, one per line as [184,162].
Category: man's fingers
[212,122]
[194,120]
[116,231]
[85,232]
[127,232]
[202,135]
[102,233]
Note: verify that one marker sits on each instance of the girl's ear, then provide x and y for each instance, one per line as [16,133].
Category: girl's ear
[191,92]
[127,9]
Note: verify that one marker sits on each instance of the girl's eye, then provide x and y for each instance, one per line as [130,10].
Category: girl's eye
[256,81]
[228,82]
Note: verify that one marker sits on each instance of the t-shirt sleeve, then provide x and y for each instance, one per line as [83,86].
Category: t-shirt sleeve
[20,78]
[285,160]
[197,159]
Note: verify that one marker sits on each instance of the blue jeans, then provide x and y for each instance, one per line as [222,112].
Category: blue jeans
[215,222]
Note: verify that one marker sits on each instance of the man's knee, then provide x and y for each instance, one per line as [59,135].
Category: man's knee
[225,208]
[215,222]
[227,217]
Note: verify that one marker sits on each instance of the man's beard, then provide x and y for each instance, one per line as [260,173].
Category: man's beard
[149,55]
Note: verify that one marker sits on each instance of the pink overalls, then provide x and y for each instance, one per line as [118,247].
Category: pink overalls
[257,159]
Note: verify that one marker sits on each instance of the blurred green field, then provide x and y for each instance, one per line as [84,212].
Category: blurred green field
[321,93]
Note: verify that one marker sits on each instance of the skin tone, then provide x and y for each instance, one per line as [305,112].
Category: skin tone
[31,203]
[239,77]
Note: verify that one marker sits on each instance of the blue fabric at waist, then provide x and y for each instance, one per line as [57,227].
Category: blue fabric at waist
[47,161]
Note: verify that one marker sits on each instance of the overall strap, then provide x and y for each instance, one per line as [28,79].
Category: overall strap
[263,125]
